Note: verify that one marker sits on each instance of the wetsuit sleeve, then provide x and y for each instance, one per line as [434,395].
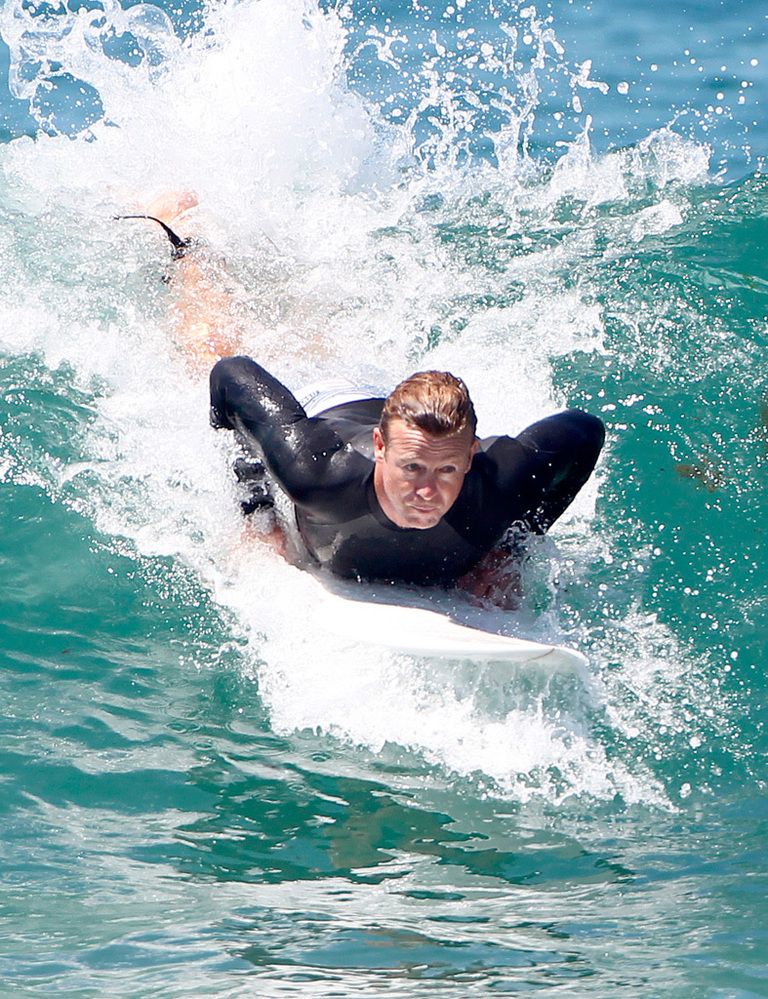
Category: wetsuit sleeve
[269,419]
[544,467]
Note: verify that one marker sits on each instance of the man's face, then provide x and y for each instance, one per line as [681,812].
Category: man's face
[418,476]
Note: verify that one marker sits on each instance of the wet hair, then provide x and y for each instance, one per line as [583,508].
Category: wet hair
[436,402]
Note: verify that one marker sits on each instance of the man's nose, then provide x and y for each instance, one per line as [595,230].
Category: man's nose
[427,485]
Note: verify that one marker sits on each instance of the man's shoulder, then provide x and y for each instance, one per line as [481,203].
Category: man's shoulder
[495,448]
[498,465]
[364,412]
[486,443]
[353,423]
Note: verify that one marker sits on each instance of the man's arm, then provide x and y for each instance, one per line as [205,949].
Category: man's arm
[297,449]
[538,474]
[565,447]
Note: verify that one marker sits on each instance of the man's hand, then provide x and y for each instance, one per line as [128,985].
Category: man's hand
[495,579]
[272,536]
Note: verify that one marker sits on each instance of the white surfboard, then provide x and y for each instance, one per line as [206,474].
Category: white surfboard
[371,616]
[418,631]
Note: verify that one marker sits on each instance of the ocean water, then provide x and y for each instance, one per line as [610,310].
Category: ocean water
[564,203]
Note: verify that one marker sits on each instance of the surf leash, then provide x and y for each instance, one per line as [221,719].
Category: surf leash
[179,246]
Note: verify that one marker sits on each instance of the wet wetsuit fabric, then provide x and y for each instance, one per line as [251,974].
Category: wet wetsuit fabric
[325,465]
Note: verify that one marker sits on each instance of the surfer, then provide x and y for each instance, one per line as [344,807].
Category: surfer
[397,487]
[400,488]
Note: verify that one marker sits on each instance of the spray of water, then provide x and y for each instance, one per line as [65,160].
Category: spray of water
[419,227]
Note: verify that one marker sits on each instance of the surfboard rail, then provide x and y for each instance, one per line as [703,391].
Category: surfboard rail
[420,631]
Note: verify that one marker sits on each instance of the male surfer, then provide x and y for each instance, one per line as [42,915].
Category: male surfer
[397,488]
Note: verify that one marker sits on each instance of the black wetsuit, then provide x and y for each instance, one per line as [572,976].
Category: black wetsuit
[325,465]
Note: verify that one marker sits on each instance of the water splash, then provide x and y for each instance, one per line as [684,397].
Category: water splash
[436,236]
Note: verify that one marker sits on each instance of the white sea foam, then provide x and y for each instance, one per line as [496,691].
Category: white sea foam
[255,115]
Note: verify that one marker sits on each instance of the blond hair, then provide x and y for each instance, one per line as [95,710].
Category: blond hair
[436,402]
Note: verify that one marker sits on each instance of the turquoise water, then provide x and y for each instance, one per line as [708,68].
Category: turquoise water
[203,794]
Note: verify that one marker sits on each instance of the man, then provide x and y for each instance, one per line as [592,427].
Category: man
[396,488]
[400,489]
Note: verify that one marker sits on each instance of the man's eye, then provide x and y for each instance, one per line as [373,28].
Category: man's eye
[448,470]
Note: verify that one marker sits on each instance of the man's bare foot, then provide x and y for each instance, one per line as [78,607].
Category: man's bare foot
[171,205]
[201,319]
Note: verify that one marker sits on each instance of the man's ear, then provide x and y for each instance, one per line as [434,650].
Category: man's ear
[378,445]
[473,451]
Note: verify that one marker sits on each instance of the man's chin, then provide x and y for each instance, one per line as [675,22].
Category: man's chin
[423,519]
